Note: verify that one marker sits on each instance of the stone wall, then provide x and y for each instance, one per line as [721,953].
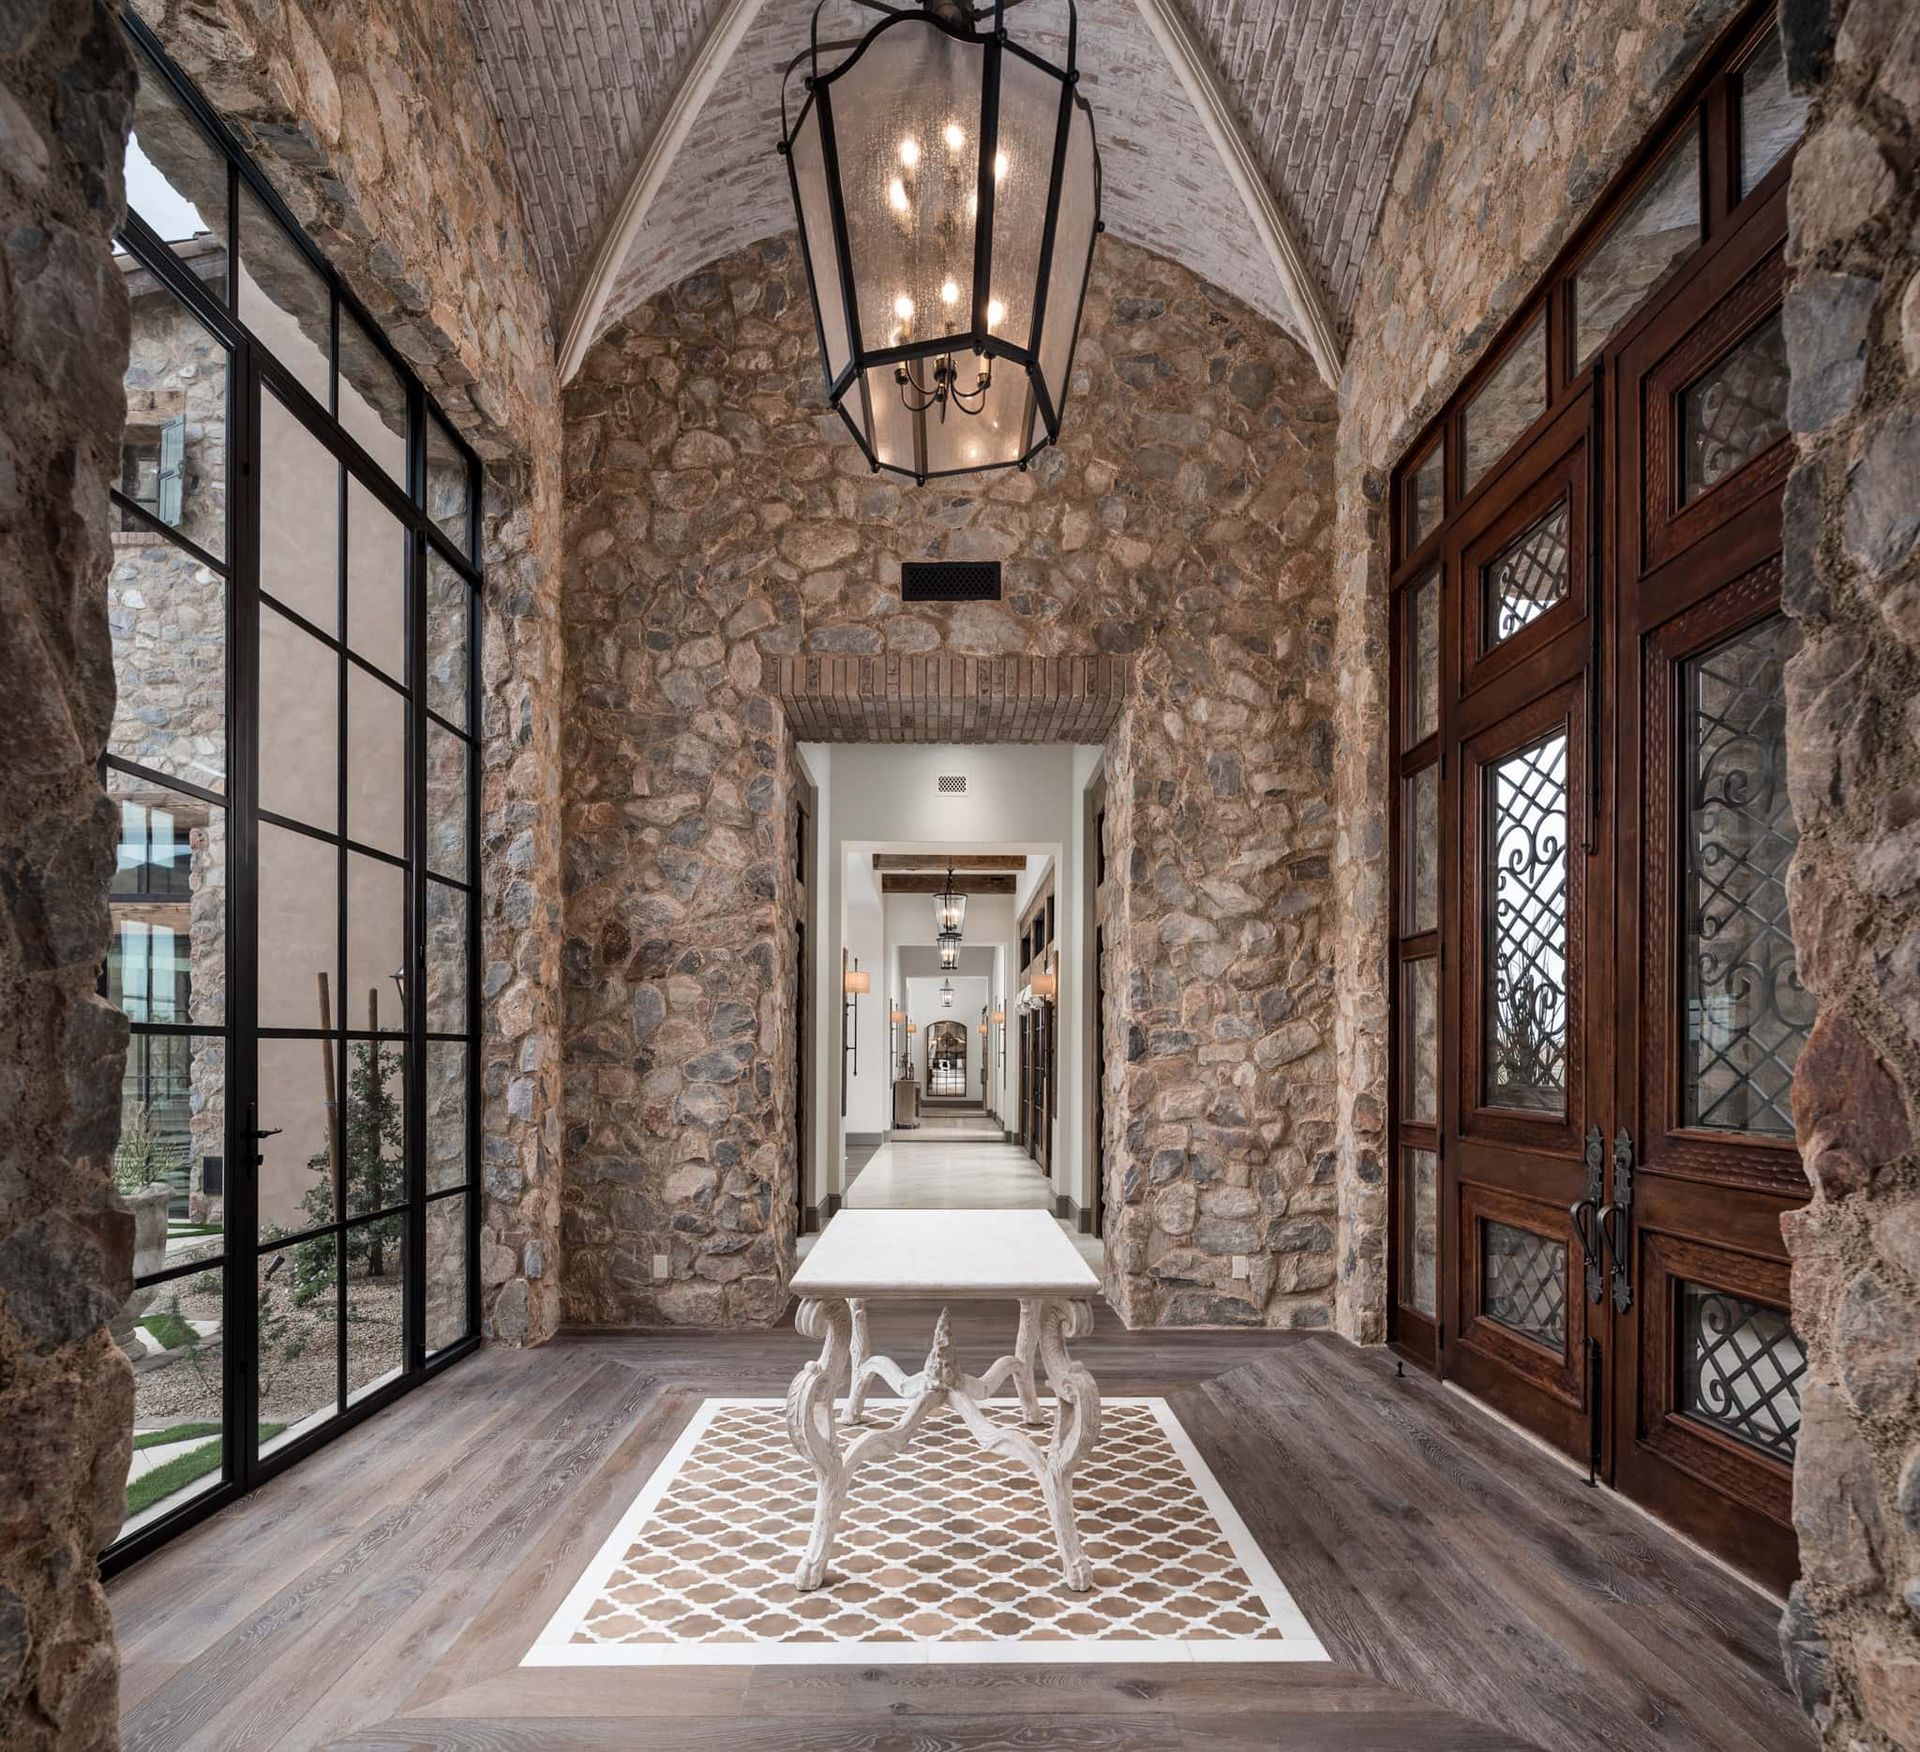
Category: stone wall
[1853,732]
[718,517]
[370,118]
[66,1394]
[1527,109]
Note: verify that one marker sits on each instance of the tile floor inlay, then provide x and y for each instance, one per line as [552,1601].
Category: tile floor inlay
[944,1554]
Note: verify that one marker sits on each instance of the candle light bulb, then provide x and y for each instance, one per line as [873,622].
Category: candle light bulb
[897,195]
[996,313]
[903,308]
[956,138]
[949,292]
[999,167]
[909,152]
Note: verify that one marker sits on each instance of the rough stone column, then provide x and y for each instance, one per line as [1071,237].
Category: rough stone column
[66,1392]
[520,902]
[1852,581]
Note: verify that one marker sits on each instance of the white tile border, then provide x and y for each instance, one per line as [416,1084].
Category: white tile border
[552,1649]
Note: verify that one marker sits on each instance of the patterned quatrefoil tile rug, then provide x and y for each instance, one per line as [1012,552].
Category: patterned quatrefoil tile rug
[944,1553]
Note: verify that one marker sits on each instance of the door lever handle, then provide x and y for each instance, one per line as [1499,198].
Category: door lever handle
[1581,1214]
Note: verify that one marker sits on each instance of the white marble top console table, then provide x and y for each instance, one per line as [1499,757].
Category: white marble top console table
[870,1256]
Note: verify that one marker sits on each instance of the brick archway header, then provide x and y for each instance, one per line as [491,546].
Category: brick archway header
[942,698]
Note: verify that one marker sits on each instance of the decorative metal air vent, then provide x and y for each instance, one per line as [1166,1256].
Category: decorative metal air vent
[950,581]
[952,784]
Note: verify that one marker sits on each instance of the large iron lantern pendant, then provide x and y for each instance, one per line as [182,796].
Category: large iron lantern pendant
[947,187]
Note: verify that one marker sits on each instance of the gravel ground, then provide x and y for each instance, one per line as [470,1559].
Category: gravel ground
[297,1353]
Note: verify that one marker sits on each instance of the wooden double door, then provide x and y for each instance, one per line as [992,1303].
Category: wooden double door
[1611,969]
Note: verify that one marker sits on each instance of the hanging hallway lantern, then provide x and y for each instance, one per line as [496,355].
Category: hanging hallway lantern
[949,912]
[947,186]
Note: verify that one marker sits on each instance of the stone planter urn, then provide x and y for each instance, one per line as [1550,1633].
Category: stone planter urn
[149,1208]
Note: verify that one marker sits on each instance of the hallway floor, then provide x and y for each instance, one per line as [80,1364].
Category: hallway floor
[1471,1592]
[950,1164]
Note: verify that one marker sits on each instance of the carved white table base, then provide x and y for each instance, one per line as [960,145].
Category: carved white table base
[838,1451]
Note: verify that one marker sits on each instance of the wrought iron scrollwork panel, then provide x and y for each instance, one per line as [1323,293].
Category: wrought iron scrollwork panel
[1527,578]
[1747,1014]
[1741,1365]
[1525,993]
[1523,1282]
[1735,409]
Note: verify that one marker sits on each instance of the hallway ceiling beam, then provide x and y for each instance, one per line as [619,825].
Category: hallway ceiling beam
[937,884]
[649,175]
[941,861]
[1194,68]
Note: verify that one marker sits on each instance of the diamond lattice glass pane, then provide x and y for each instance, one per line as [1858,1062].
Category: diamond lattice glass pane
[1523,1283]
[1526,578]
[1507,403]
[1525,993]
[1420,1080]
[1734,410]
[1772,117]
[1740,1368]
[1747,1014]
[1423,849]
[1420,1199]
[1422,666]
[1661,226]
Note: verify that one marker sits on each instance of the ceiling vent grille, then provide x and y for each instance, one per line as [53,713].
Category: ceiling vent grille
[950,581]
[953,784]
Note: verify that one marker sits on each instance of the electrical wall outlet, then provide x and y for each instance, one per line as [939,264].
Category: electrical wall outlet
[661,1265]
[1240,1265]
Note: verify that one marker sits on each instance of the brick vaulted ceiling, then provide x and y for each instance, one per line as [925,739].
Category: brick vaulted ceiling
[1320,90]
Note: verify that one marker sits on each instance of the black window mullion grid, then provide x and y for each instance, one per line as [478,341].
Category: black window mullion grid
[471,1057]
[252,370]
[413,1082]
[343,743]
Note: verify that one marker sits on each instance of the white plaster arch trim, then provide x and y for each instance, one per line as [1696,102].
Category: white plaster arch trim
[651,172]
[1194,68]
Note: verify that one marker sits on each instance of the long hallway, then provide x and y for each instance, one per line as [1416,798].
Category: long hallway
[950,1163]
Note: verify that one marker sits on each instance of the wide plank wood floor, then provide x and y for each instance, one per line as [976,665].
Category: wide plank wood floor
[1473,1593]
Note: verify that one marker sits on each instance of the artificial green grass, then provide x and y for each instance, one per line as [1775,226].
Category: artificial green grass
[182,1432]
[182,1470]
[171,1331]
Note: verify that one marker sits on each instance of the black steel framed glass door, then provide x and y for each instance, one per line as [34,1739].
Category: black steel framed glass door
[294,604]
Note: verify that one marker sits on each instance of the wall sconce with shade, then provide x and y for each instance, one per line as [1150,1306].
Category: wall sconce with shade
[1046,985]
[999,1020]
[854,985]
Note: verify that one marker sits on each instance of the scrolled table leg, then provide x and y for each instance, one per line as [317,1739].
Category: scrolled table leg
[1026,1355]
[1076,1430]
[856,1410]
[810,1402]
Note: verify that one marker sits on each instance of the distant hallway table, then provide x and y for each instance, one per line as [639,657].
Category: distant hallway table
[877,1256]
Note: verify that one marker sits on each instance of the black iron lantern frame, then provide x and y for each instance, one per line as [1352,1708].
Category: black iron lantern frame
[905,397]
